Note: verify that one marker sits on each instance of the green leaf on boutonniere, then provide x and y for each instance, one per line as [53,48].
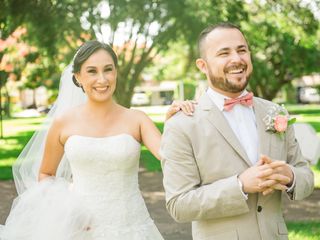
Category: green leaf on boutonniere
[292,121]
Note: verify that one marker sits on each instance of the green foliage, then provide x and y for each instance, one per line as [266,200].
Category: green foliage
[284,44]
[161,24]
[189,89]
[191,18]
[283,35]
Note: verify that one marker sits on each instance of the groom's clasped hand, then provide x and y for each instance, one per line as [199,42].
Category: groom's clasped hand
[266,176]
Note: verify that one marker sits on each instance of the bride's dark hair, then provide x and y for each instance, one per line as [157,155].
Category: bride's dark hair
[85,51]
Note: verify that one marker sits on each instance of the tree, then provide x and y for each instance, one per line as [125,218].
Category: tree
[284,38]
[14,53]
[284,44]
[280,33]
[141,29]
[53,28]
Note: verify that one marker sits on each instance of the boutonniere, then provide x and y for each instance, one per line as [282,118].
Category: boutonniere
[277,120]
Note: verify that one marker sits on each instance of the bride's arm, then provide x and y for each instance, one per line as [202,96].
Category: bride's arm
[53,151]
[150,134]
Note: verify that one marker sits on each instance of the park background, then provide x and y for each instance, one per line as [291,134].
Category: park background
[156,44]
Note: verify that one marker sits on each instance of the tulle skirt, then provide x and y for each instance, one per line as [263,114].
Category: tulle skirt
[51,210]
[48,210]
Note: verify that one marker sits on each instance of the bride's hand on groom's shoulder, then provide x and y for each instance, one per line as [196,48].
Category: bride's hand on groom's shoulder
[187,107]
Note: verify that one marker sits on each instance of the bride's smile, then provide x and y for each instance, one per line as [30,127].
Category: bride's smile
[98,76]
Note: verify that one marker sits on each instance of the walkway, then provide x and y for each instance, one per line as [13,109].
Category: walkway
[151,186]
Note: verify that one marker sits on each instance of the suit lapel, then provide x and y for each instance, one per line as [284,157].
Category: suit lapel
[216,118]
[263,135]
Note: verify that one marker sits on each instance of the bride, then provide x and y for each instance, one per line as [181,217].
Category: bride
[86,160]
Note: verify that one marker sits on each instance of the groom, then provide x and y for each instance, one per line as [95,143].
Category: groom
[222,169]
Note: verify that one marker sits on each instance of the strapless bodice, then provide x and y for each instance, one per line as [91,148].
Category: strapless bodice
[101,165]
[105,174]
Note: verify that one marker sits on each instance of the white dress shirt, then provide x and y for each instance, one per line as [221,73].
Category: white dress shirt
[242,121]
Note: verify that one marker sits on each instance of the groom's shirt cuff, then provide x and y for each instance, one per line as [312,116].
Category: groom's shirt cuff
[291,188]
[245,195]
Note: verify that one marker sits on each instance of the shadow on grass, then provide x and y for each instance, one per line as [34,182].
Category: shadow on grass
[6,173]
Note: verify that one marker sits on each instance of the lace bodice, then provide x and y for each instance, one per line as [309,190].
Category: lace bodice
[100,165]
[105,174]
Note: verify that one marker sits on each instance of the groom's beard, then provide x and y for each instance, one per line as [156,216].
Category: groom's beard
[227,85]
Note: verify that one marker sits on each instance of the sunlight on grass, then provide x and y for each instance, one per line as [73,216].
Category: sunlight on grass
[313,120]
[13,126]
[7,162]
[303,108]
[304,230]
[316,171]
[17,132]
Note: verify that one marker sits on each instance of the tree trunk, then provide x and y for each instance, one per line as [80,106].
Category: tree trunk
[34,104]
[124,92]
[7,102]
[123,98]
[128,77]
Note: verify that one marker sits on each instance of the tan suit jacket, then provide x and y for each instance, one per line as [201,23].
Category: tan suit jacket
[201,158]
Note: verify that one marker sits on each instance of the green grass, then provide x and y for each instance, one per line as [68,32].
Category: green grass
[303,109]
[147,159]
[306,114]
[316,171]
[304,230]
[17,133]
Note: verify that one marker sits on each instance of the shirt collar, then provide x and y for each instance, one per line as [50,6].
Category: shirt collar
[218,98]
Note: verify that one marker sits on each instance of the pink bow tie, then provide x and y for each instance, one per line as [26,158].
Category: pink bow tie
[245,100]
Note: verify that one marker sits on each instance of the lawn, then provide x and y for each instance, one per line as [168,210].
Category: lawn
[18,131]
[304,230]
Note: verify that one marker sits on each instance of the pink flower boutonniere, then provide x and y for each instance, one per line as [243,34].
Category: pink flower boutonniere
[277,120]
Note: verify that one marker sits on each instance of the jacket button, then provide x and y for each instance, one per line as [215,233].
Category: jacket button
[259,209]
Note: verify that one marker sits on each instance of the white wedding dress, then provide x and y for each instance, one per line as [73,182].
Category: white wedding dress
[102,203]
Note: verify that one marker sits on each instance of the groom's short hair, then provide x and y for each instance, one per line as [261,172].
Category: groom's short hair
[210,28]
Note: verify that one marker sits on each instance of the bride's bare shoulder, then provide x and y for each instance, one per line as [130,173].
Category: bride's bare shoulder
[136,114]
[68,115]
